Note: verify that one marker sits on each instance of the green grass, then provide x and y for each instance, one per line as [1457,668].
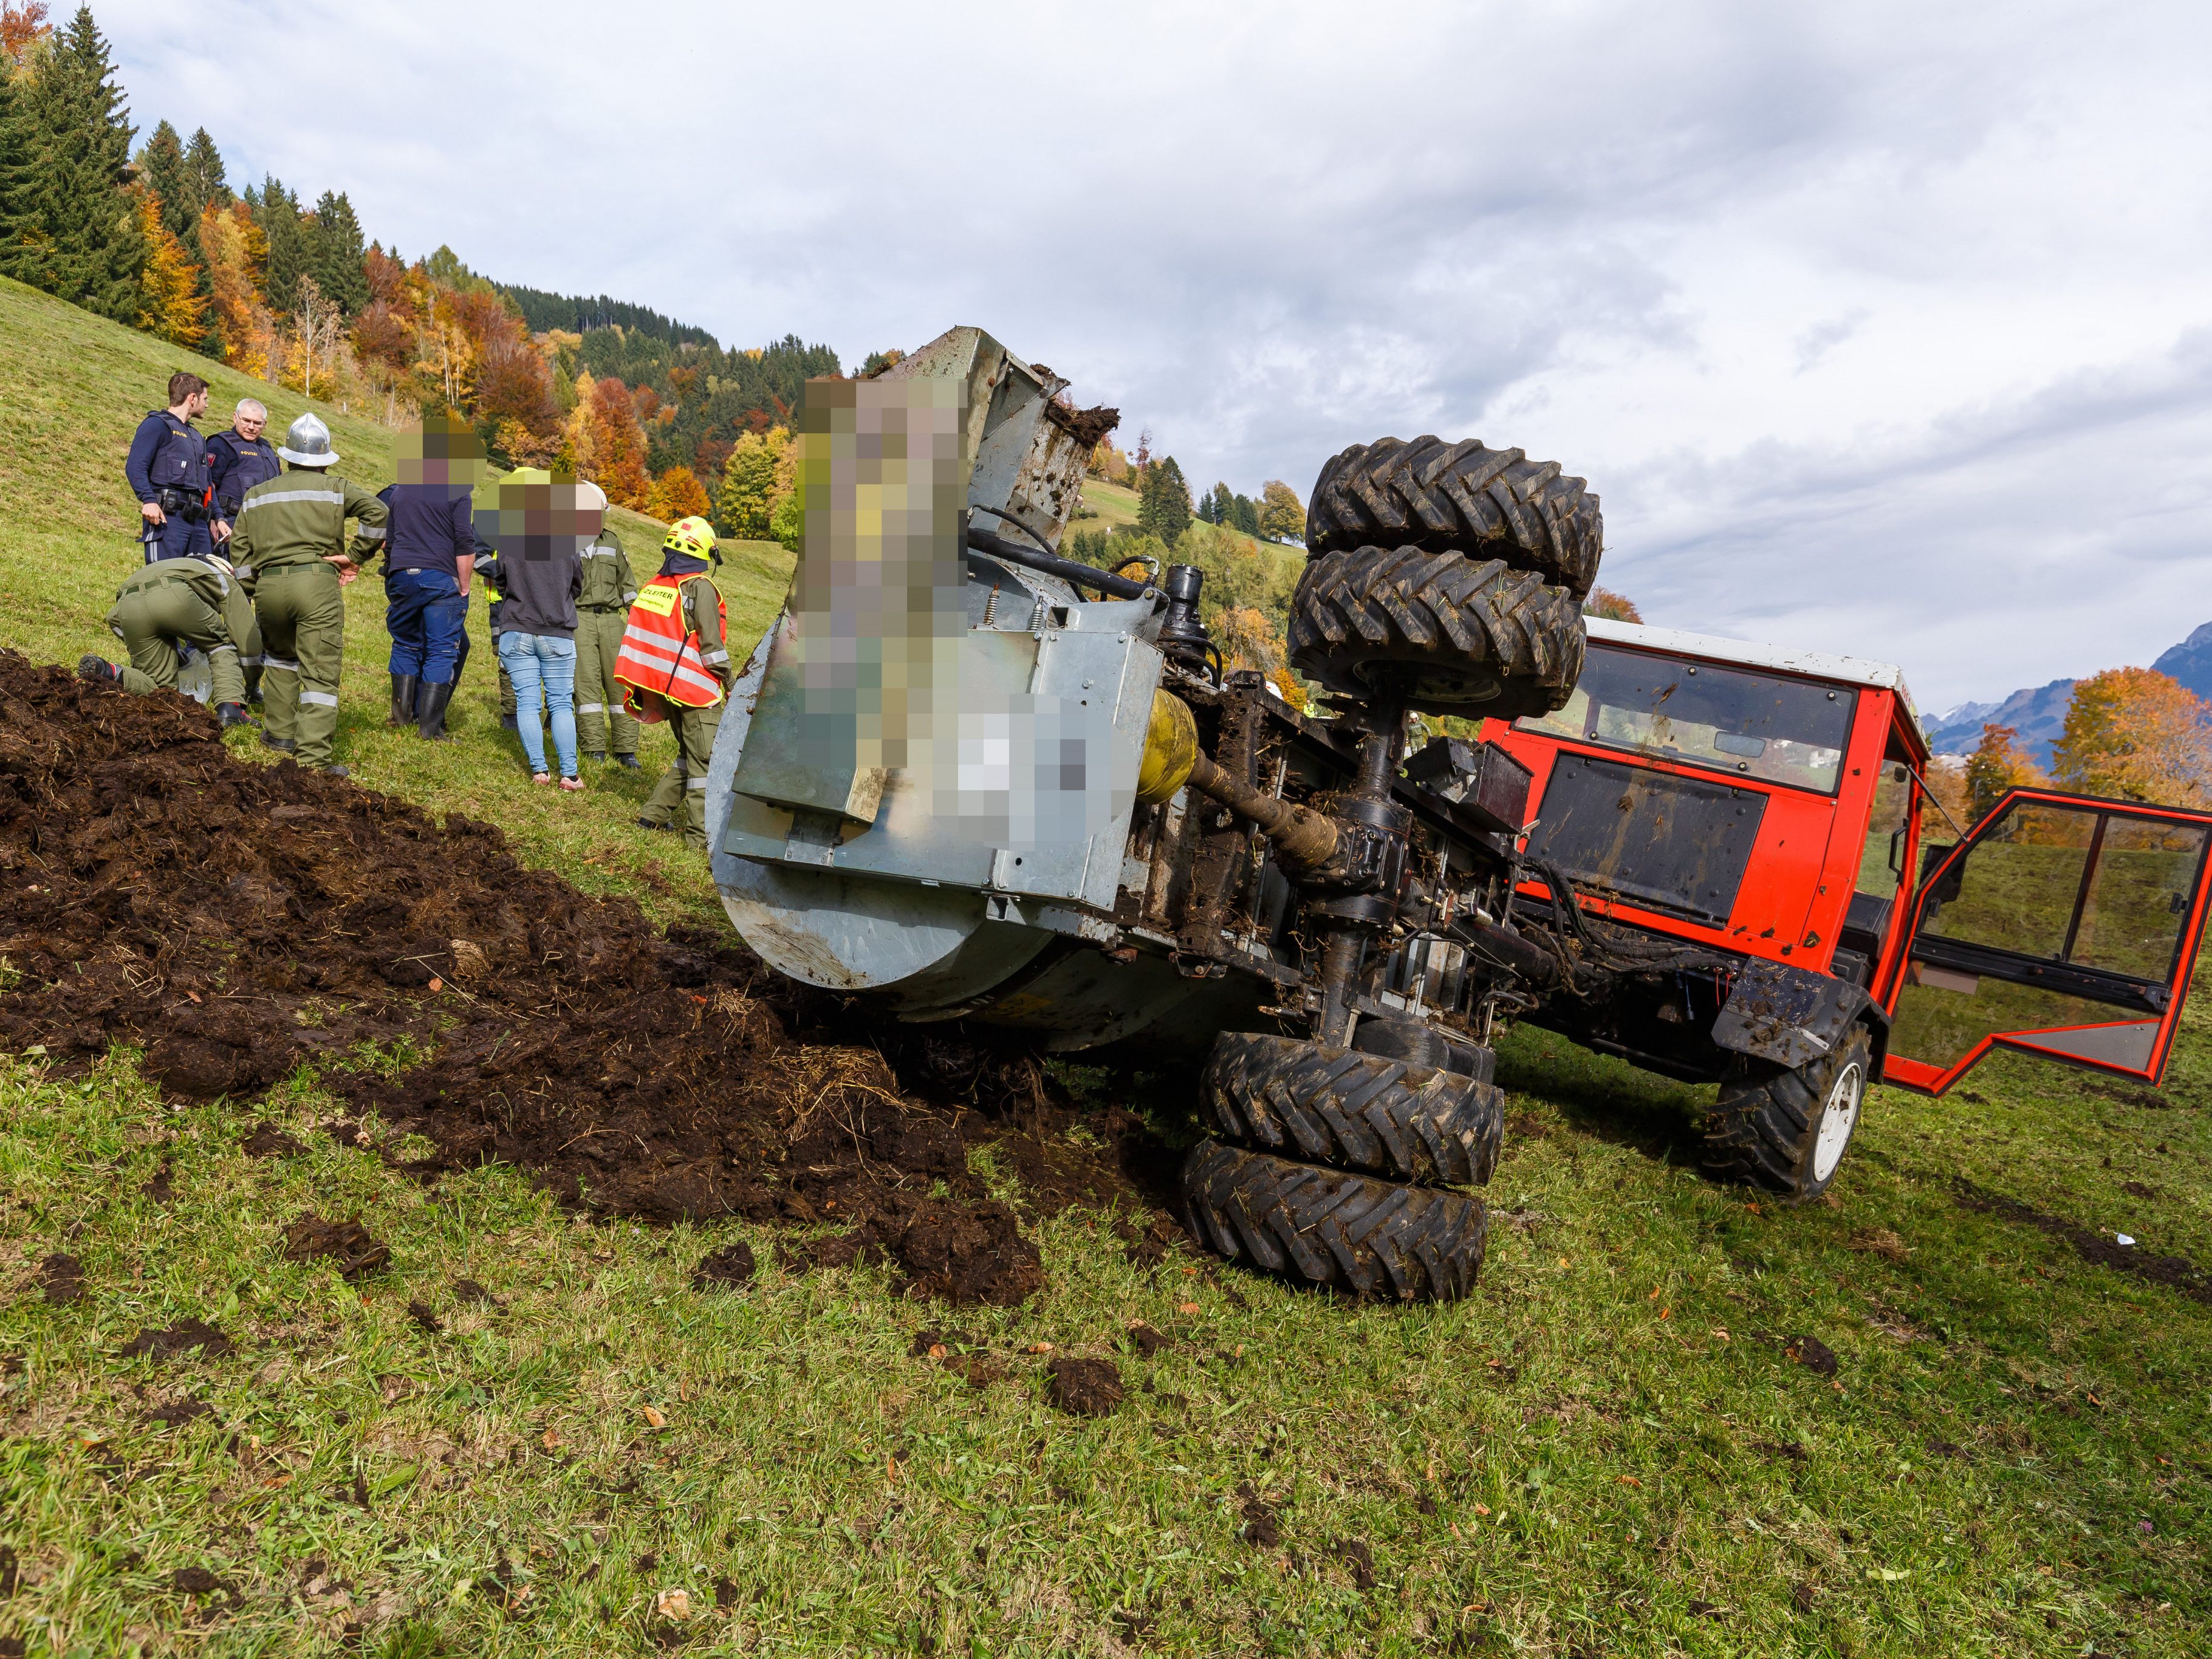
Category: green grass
[1587,1457]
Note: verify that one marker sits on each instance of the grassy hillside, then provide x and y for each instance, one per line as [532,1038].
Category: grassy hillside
[77,386]
[1920,1417]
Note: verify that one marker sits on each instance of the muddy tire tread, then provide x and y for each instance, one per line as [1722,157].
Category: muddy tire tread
[1360,1112]
[1367,615]
[1758,1131]
[1460,497]
[1378,1239]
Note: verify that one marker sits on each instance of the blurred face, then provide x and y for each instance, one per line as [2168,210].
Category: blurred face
[444,453]
[535,519]
[248,426]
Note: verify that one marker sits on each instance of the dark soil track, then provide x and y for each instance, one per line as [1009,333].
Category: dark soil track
[237,920]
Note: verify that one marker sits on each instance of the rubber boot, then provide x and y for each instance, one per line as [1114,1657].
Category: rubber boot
[434,700]
[629,761]
[404,694]
[511,723]
[230,714]
[282,745]
[598,755]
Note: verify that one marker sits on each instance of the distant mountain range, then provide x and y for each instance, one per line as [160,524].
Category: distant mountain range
[2038,712]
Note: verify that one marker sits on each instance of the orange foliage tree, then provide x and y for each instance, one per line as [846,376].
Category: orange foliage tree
[2139,735]
[1998,763]
[22,28]
[1613,607]
[170,303]
[610,444]
[237,254]
[677,494]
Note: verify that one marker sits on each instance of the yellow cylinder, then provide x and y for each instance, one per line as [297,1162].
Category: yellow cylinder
[1170,749]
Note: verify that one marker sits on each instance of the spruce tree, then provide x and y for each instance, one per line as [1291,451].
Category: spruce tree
[203,163]
[163,169]
[340,257]
[1244,514]
[278,215]
[14,162]
[78,229]
[1168,495]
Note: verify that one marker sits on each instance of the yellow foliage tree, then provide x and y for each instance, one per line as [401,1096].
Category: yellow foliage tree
[1282,515]
[170,303]
[237,252]
[2139,735]
[1613,607]
[1998,764]
[677,494]
[761,471]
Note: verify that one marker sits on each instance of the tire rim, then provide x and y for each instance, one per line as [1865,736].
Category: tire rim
[1838,1117]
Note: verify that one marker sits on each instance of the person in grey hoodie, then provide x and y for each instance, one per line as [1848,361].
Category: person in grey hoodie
[541,529]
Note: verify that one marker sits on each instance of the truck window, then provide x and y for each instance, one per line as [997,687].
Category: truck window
[1893,799]
[1750,725]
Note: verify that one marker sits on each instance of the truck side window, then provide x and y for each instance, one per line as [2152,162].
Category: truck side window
[1878,874]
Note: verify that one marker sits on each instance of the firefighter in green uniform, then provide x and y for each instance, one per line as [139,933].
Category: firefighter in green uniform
[172,603]
[675,666]
[289,543]
[602,614]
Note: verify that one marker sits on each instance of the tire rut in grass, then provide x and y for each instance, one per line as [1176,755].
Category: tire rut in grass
[238,921]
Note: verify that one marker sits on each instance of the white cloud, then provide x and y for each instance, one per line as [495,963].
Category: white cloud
[1873,327]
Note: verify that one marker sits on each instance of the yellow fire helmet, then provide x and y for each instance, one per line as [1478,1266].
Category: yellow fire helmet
[693,537]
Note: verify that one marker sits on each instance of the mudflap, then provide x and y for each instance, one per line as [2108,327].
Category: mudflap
[1792,1015]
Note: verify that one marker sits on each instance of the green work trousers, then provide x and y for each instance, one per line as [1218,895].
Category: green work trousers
[598,699]
[680,796]
[301,610]
[153,622]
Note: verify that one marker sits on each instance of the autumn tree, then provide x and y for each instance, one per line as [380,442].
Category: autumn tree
[760,472]
[75,226]
[245,333]
[1282,515]
[1998,763]
[22,26]
[1613,607]
[677,493]
[170,303]
[610,444]
[2139,735]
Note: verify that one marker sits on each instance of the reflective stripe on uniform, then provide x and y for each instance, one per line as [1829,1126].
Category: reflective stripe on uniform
[695,783]
[279,662]
[231,648]
[245,661]
[331,495]
[713,656]
[324,699]
[369,532]
[591,709]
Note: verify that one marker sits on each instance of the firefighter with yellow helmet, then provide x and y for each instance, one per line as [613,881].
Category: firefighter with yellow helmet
[674,666]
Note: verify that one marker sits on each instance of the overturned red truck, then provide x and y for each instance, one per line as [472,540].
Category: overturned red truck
[974,780]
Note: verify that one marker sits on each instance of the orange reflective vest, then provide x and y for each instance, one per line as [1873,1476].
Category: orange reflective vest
[659,655]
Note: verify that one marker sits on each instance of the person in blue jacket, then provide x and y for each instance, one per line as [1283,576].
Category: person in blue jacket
[237,460]
[429,563]
[167,471]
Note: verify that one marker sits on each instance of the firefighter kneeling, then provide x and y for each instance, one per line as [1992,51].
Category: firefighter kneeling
[674,666]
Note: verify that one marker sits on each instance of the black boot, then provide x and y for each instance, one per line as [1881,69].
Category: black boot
[433,702]
[100,672]
[511,723]
[629,761]
[404,691]
[282,745]
[230,714]
[598,755]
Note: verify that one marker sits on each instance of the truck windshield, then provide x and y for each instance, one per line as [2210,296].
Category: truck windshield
[1760,726]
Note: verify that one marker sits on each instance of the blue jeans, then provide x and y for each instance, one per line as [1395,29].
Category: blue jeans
[535,659]
[427,619]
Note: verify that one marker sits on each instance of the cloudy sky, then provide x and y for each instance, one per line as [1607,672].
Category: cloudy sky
[1884,330]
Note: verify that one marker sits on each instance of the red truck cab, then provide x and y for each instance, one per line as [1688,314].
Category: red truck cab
[1765,806]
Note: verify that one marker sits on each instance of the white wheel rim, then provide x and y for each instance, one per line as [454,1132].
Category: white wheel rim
[1838,1117]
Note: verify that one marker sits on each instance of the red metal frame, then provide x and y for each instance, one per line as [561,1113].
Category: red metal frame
[1924,1078]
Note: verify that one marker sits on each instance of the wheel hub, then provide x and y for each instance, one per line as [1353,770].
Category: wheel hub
[1838,1117]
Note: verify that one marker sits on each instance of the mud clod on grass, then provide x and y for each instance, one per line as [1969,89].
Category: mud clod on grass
[729,1268]
[61,1279]
[1087,1387]
[1263,1530]
[269,1141]
[186,1334]
[665,1075]
[357,1251]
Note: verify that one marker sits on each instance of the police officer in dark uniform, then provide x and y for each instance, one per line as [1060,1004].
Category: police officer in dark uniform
[237,460]
[167,470]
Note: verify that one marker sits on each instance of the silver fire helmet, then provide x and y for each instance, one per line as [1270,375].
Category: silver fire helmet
[307,443]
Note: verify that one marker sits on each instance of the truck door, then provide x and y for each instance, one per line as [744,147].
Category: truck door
[2062,925]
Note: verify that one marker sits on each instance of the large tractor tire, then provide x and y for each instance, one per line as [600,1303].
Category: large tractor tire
[1787,1131]
[1351,1233]
[1365,1113]
[1440,631]
[1462,497]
